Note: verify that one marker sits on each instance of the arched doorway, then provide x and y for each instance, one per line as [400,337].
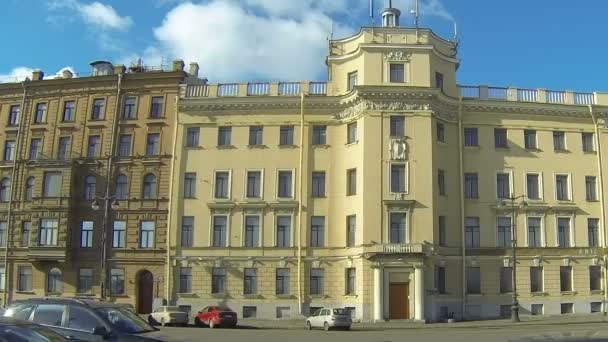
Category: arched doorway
[145,288]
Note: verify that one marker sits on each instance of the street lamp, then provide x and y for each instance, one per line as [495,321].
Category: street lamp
[522,205]
[114,205]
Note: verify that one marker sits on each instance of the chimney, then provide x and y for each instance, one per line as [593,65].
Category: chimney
[119,69]
[37,75]
[193,71]
[66,74]
[178,65]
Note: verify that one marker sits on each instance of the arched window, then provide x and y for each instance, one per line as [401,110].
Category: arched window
[5,189]
[54,283]
[90,184]
[149,186]
[122,187]
[29,188]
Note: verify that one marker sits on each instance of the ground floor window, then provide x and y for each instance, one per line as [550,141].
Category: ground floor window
[117,281]
[596,307]
[567,308]
[536,309]
[85,280]
[250,311]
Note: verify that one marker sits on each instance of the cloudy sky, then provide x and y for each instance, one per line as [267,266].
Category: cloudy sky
[555,44]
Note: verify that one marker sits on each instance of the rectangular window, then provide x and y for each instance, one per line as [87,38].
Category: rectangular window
[562,192]
[117,281]
[40,113]
[252,231]
[500,138]
[503,185]
[440,132]
[119,234]
[48,232]
[397,73]
[283,231]
[128,111]
[192,136]
[441,182]
[286,136]
[506,279]
[471,187]
[64,150]
[13,115]
[250,281]
[124,145]
[470,136]
[440,280]
[595,278]
[352,80]
[224,136]
[351,133]
[317,231]
[351,281]
[146,238]
[98,109]
[282,280]
[567,308]
[153,144]
[565,278]
[285,184]
[398,226]
[536,279]
[35,148]
[94,147]
[185,280]
[86,234]
[319,135]
[190,185]
[563,232]
[26,233]
[85,280]
[473,280]
[222,184]
[25,282]
[52,184]
[398,178]
[219,230]
[9,150]
[439,81]
[592,232]
[351,182]
[559,141]
[530,139]
[533,186]
[504,232]
[256,134]
[472,232]
[595,307]
[187,231]
[254,184]
[156,108]
[534,236]
[317,276]
[69,110]
[590,188]
[218,280]
[3,233]
[318,184]
[443,238]
[536,309]
[588,145]
[351,230]
[397,126]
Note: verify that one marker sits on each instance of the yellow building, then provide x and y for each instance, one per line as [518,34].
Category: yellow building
[378,190]
[76,150]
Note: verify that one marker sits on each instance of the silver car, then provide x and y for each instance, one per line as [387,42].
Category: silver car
[327,319]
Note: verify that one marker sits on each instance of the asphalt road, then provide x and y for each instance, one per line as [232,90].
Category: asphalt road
[531,333]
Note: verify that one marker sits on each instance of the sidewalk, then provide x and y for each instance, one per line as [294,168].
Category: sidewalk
[486,324]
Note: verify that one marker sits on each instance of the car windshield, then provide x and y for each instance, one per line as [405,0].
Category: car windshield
[340,312]
[172,309]
[29,332]
[124,320]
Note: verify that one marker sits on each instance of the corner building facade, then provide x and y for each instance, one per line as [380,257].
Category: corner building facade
[377,191]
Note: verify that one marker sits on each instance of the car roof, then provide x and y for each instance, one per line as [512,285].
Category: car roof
[90,302]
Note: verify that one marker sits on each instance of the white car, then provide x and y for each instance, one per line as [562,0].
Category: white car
[168,315]
[328,318]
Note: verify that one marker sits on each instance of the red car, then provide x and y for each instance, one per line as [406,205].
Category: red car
[215,316]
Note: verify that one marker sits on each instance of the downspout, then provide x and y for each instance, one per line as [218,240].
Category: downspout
[300,197]
[9,214]
[462,219]
[168,272]
[602,204]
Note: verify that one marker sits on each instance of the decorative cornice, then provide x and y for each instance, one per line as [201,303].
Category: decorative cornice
[398,55]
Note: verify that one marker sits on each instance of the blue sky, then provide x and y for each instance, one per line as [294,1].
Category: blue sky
[554,44]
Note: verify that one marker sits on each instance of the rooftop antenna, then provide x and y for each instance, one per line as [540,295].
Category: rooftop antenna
[417,19]
[371,13]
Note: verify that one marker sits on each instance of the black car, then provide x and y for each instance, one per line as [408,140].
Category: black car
[86,320]
[14,330]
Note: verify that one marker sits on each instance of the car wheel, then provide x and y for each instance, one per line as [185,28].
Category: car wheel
[211,324]
[162,322]
[326,326]
[151,321]
[308,325]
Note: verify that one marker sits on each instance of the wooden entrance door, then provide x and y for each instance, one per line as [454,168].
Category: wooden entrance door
[399,304]
[144,292]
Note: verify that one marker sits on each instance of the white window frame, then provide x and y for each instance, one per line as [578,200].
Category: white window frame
[541,192]
[215,171]
[408,225]
[406,71]
[509,243]
[570,194]
[244,232]
[245,178]
[572,230]
[275,221]
[407,178]
[228,216]
[511,185]
[293,184]
[543,234]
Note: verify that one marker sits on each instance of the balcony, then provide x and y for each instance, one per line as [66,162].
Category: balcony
[566,97]
[398,248]
[47,253]
[254,89]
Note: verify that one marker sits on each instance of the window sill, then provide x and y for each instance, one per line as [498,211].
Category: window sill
[589,152]
[23,292]
[568,293]
[592,200]
[252,296]
[475,294]
[596,292]
[219,295]
[320,146]
[351,296]
[532,149]
[225,147]
[356,142]
[561,151]
[187,295]
[284,296]
[441,143]
[318,296]
[193,147]
[118,296]
[257,146]
[291,146]
[539,294]
[504,148]
[472,147]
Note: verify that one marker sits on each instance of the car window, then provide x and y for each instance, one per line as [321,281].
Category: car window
[317,313]
[82,319]
[49,314]
[28,333]
[340,312]
[125,320]
[22,312]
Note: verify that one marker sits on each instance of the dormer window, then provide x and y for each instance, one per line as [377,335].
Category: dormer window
[397,73]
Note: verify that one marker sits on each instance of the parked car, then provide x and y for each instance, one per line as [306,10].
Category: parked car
[168,315]
[328,318]
[85,320]
[216,316]
[14,330]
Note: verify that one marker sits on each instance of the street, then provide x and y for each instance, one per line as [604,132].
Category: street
[556,332]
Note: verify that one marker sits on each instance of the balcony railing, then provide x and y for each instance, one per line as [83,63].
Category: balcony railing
[228,89]
[528,95]
[254,89]
[400,248]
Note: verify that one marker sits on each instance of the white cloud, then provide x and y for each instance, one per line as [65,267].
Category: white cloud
[19,74]
[97,14]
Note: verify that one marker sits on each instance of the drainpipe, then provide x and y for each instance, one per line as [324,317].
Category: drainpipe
[168,271]
[300,197]
[463,235]
[602,204]
[9,214]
